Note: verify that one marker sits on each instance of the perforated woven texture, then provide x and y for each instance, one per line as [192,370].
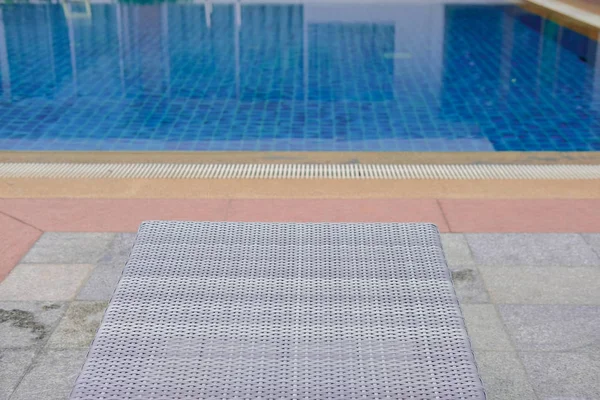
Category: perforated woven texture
[282,311]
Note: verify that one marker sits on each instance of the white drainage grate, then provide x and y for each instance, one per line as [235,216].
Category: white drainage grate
[296,171]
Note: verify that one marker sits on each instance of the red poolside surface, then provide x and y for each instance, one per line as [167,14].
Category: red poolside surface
[23,220]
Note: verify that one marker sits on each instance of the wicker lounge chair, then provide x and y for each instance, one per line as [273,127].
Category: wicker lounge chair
[282,311]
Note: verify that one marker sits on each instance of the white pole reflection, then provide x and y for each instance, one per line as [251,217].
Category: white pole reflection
[51,46]
[305,64]
[596,92]
[557,60]
[540,58]
[120,37]
[4,66]
[164,25]
[208,13]
[508,23]
[238,13]
[72,47]
[236,32]
[126,37]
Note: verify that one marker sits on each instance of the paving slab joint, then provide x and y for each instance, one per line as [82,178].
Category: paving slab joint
[39,350]
[21,221]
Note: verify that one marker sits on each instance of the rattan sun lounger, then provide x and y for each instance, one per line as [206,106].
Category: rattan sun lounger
[282,311]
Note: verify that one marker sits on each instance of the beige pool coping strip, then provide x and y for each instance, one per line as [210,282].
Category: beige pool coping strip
[250,157]
[297,188]
[573,15]
[569,10]
[301,188]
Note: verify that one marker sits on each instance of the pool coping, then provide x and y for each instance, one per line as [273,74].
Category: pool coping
[24,188]
[567,15]
[300,157]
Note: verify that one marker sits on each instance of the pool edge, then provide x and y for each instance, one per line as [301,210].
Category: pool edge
[581,21]
[14,188]
[258,157]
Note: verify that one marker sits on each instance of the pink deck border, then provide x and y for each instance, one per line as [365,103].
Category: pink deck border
[23,220]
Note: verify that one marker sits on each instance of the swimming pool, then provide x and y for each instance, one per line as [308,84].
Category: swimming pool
[301,77]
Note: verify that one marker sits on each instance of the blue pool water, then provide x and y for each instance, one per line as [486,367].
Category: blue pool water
[304,77]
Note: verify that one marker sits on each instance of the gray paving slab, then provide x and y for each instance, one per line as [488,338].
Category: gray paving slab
[469,285]
[520,249]
[69,248]
[553,327]
[103,281]
[593,239]
[44,282]
[28,324]
[485,328]
[563,375]
[13,364]
[456,249]
[559,318]
[117,252]
[503,376]
[542,285]
[51,376]
[101,285]
[79,325]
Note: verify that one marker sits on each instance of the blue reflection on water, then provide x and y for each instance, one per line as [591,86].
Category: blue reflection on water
[315,77]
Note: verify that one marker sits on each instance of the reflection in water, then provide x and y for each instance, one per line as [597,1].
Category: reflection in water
[293,77]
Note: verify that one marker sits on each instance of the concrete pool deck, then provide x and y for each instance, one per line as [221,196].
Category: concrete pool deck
[524,254]
[525,257]
[29,207]
[530,301]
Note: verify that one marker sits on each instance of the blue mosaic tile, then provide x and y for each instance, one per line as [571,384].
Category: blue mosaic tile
[394,77]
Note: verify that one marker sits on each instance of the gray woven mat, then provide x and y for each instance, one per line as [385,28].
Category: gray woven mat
[282,311]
